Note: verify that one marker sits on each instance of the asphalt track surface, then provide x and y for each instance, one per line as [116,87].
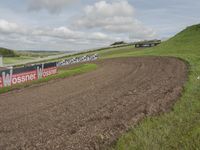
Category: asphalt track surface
[90,111]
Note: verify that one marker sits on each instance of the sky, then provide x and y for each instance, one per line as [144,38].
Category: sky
[85,24]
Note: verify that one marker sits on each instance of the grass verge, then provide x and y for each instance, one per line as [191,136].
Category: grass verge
[62,73]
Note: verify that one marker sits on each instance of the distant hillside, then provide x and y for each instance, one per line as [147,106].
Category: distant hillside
[186,41]
[7,52]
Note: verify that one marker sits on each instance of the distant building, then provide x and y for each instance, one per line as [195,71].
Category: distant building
[150,43]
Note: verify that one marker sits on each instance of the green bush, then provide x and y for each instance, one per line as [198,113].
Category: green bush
[7,53]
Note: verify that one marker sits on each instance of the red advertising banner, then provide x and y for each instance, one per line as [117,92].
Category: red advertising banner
[1,83]
[9,79]
[49,71]
[24,77]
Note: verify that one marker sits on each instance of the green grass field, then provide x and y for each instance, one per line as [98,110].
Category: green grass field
[180,128]
[24,56]
[15,60]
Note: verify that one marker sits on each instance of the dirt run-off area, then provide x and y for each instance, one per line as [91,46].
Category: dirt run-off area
[90,111]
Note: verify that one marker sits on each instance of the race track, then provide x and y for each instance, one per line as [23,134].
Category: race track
[92,110]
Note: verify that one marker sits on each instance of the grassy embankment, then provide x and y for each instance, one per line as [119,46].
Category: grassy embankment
[24,56]
[180,128]
[62,73]
[15,60]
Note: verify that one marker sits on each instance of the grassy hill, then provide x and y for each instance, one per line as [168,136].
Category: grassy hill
[188,38]
[180,128]
[185,42]
[7,52]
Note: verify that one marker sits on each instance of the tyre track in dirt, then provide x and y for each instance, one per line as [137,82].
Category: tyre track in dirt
[90,111]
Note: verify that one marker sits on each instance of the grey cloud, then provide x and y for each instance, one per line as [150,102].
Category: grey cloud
[14,33]
[53,6]
[115,17]
[10,27]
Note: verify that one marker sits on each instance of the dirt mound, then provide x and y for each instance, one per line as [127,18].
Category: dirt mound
[92,110]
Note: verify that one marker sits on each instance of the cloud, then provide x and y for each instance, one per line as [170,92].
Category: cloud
[68,34]
[9,27]
[53,6]
[104,9]
[14,33]
[115,17]
[97,25]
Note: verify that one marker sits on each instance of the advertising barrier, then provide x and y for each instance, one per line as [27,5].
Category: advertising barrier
[14,76]
[11,77]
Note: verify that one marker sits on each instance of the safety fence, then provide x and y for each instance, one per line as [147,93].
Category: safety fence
[14,76]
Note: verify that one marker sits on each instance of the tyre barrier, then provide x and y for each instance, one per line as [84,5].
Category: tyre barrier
[75,60]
